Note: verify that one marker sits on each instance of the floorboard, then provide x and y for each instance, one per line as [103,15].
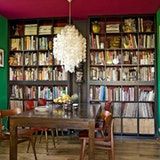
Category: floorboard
[68,148]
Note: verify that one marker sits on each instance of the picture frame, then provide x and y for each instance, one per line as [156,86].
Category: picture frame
[1,58]
[79,76]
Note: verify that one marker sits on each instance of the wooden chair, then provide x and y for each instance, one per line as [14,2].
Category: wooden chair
[42,102]
[108,106]
[105,141]
[29,105]
[22,134]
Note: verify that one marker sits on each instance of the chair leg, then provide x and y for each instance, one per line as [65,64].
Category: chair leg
[53,138]
[28,146]
[83,146]
[57,132]
[41,136]
[110,153]
[33,146]
[46,135]
[57,136]
[36,134]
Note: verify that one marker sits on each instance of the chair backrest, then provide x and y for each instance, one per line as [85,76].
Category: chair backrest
[29,105]
[108,125]
[42,102]
[5,114]
[10,112]
[108,106]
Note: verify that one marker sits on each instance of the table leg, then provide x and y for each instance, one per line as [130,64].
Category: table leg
[13,142]
[91,140]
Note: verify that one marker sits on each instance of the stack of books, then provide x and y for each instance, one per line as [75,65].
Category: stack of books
[112,28]
[30,29]
[43,30]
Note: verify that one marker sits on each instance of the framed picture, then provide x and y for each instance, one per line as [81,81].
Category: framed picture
[79,76]
[1,58]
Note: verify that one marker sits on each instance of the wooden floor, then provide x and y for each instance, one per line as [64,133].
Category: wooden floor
[69,147]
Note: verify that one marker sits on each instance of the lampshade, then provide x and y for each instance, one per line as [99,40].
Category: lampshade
[70,47]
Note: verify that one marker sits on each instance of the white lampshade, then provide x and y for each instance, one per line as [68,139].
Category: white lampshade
[70,48]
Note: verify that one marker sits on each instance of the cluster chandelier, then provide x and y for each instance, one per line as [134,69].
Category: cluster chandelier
[70,46]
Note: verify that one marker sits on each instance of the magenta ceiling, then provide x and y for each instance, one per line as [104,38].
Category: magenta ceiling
[18,9]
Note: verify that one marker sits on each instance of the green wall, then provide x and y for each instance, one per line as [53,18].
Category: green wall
[158,72]
[4,70]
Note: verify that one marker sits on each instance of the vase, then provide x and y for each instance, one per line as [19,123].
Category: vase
[96,27]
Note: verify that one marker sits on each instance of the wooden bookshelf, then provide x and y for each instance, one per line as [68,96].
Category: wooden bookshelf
[121,69]
[33,71]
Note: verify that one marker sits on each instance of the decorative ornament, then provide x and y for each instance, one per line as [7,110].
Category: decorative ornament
[96,27]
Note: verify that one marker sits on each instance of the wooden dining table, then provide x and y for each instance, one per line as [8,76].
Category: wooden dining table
[80,117]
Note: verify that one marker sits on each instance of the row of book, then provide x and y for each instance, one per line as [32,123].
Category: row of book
[30,92]
[16,44]
[146,41]
[59,74]
[30,74]
[97,58]
[16,103]
[30,58]
[16,92]
[146,94]
[28,43]
[45,43]
[113,57]
[146,57]
[97,41]
[128,41]
[51,93]
[127,57]
[45,73]
[33,74]
[142,110]
[16,59]
[16,74]
[122,74]
[31,43]
[97,73]
[147,74]
[104,93]
[45,58]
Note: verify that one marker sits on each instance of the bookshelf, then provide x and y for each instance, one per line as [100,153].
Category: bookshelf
[121,69]
[33,71]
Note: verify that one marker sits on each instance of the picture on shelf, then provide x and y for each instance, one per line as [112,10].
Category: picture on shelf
[1,58]
[79,76]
